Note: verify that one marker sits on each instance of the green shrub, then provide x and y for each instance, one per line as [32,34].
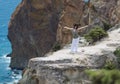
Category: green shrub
[117,54]
[104,76]
[56,47]
[107,26]
[95,34]
[110,65]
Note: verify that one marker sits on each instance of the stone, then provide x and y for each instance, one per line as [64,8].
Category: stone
[62,67]
[36,25]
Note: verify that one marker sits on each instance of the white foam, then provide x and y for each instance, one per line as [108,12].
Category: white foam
[7,59]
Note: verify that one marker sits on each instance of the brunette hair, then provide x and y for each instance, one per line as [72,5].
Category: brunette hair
[75,26]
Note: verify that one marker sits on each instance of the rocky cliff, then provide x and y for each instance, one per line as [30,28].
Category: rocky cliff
[63,67]
[36,25]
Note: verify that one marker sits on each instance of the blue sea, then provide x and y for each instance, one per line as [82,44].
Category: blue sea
[7,76]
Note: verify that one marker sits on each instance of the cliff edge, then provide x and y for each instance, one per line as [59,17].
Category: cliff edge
[63,67]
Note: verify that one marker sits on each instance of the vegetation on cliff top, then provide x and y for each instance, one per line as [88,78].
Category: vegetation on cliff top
[104,76]
[117,54]
[95,34]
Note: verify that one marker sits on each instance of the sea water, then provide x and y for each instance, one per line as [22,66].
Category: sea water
[7,76]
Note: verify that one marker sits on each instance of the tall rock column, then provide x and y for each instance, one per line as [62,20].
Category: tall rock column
[32,30]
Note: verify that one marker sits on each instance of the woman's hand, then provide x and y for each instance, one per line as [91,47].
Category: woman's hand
[68,28]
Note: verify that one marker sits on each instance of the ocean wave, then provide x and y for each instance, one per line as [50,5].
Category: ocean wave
[5,59]
[7,76]
[12,82]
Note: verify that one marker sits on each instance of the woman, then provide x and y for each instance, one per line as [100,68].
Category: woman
[75,35]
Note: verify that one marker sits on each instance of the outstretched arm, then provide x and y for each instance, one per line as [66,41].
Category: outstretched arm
[68,28]
[82,27]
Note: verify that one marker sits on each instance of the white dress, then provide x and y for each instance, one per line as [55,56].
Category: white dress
[75,41]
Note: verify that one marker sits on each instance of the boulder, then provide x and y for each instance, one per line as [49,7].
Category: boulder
[62,67]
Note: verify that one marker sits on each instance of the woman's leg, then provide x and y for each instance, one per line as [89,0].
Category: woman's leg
[73,45]
[76,44]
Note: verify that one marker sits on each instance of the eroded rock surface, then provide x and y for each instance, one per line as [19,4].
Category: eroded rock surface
[62,67]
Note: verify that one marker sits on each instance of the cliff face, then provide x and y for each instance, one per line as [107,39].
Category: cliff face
[99,12]
[32,29]
[37,24]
